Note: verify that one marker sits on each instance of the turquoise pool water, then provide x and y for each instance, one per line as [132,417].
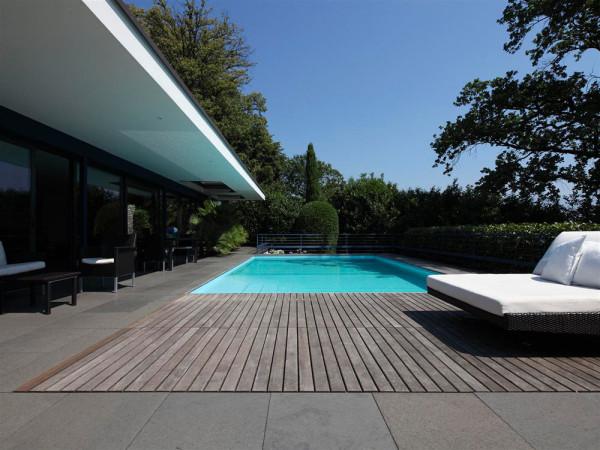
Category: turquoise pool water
[332,273]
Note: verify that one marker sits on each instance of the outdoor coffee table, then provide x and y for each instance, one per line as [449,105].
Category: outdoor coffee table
[46,280]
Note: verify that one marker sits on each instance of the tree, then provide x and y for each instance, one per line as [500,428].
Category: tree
[544,123]
[367,205]
[294,177]
[211,57]
[313,186]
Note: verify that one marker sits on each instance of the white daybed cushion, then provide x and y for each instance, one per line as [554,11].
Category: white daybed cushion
[515,293]
[562,262]
[588,270]
[13,269]
[561,239]
[2,255]
[98,260]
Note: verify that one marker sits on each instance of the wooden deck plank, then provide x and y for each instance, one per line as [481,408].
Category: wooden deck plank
[249,373]
[332,368]
[321,342]
[278,362]
[290,379]
[321,382]
[263,371]
[306,382]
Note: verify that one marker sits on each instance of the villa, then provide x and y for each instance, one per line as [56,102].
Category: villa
[97,120]
[305,340]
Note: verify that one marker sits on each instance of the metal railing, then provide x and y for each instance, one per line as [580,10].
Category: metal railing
[323,243]
[499,251]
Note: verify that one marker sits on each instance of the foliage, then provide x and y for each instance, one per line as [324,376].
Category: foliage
[233,238]
[470,205]
[367,205]
[210,221]
[319,217]
[141,222]
[565,27]
[313,177]
[211,57]
[276,214]
[294,180]
[524,243]
[107,223]
[544,123]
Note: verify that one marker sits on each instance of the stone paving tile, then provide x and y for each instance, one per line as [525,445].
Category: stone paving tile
[86,421]
[18,409]
[22,372]
[206,421]
[551,420]
[326,421]
[445,421]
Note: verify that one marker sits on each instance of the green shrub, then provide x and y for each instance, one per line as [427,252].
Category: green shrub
[231,239]
[321,218]
[490,247]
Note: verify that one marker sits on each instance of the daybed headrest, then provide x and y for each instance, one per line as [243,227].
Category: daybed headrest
[561,239]
[2,255]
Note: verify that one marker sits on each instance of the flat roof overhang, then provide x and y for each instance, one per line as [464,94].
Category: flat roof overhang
[83,67]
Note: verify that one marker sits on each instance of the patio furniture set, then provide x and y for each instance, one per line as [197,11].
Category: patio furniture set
[120,264]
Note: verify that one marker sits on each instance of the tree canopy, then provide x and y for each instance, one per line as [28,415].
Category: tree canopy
[211,57]
[313,177]
[545,123]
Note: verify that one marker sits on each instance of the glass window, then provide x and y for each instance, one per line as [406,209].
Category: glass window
[53,200]
[15,200]
[179,211]
[141,210]
[104,212]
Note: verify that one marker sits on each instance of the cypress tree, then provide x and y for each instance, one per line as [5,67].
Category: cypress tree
[313,186]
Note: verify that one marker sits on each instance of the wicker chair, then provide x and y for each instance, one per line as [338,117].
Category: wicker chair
[121,263]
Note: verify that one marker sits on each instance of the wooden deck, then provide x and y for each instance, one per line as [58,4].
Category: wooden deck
[323,342]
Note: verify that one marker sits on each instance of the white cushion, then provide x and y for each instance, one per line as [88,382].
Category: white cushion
[588,269]
[515,293]
[562,262]
[561,239]
[2,255]
[13,269]
[98,260]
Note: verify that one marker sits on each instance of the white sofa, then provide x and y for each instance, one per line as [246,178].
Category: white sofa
[17,268]
[525,301]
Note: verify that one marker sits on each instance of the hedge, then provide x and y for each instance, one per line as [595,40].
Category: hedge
[488,247]
[319,217]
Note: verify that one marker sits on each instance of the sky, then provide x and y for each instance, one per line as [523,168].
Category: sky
[369,82]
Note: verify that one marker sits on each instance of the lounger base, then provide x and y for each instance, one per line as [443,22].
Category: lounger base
[570,323]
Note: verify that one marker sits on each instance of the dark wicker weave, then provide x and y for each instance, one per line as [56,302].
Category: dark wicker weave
[571,323]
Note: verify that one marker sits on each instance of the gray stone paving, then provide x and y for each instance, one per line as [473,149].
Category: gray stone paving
[31,343]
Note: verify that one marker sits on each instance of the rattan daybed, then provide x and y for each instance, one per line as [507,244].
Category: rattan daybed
[526,302]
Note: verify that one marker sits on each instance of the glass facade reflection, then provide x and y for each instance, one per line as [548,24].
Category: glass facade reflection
[15,200]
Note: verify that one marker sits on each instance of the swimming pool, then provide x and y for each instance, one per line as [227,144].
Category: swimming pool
[330,273]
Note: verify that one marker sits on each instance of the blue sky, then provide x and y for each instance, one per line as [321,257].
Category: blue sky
[369,81]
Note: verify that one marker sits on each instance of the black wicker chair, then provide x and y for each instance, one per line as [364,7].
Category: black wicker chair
[151,251]
[121,263]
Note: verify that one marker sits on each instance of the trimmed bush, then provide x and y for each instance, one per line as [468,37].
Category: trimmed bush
[490,247]
[321,218]
[231,239]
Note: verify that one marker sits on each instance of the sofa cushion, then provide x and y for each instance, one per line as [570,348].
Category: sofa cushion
[14,269]
[561,239]
[588,269]
[515,293]
[563,261]
[95,261]
[2,255]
